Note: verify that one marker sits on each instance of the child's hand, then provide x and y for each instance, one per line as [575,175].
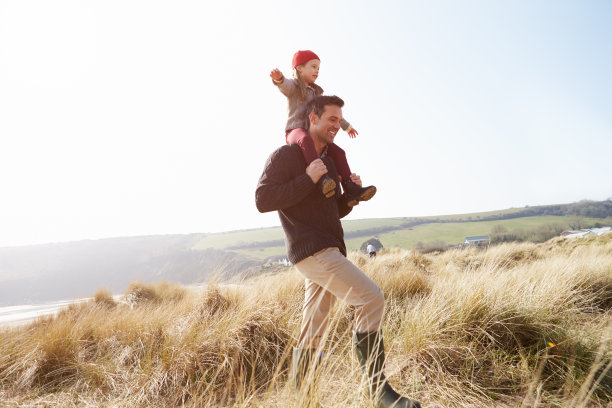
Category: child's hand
[276,75]
[356,179]
[352,133]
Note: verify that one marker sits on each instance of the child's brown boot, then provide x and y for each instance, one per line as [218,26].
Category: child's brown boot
[355,194]
[328,186]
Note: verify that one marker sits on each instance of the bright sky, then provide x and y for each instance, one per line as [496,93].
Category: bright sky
[151,117]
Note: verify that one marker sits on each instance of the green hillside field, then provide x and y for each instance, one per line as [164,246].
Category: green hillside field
[454,233]
[392,232]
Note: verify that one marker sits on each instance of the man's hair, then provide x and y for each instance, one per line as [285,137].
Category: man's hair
[318,103]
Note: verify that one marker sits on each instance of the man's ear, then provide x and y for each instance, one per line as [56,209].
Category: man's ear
[313,118]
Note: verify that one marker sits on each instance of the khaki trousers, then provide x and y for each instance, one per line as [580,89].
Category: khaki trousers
[329,275]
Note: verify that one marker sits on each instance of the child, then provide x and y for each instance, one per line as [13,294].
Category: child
[299,91]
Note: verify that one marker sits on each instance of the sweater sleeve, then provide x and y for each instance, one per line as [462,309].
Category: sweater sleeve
[343,208]
[275,190]
[288,87]
[344,124]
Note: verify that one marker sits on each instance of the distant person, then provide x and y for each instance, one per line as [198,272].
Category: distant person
[315,245]
[371,250]
[299,91]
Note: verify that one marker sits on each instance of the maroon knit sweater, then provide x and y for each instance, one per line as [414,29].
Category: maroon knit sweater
[311,222]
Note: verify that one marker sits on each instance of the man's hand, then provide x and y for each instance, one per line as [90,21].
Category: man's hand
[356,179]
[316,170]
[276,75]
[352,133]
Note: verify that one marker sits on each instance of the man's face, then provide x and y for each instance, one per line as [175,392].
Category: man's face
[325,128]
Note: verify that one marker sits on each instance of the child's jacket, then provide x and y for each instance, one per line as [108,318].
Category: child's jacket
[296,106]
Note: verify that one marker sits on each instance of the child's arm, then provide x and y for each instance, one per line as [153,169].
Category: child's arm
[287,86]
[276,76]
[352,132]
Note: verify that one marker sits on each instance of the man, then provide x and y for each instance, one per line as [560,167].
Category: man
[315,245]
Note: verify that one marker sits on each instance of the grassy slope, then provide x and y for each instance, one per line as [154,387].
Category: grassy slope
[516,325]
[225,239]
[455,232]
[451,233]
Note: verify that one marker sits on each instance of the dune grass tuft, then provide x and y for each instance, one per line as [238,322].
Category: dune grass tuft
[514,325]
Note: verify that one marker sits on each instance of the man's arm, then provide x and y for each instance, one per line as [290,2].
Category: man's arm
[343,208]
[276,190]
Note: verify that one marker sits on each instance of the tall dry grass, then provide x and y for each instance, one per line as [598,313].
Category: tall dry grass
[515,325]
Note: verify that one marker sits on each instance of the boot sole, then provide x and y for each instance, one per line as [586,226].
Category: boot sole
[369,193]
[329,188]
[365,196]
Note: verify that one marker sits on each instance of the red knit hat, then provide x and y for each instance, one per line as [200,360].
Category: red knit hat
[301,57]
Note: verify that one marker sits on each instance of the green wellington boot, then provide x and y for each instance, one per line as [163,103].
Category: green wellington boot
[371,355]
[300,363]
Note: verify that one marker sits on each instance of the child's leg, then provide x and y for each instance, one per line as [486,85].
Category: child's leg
[335,152]
[302,138]
[354,193]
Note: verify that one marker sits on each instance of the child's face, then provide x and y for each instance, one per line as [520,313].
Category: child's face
[309,71]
